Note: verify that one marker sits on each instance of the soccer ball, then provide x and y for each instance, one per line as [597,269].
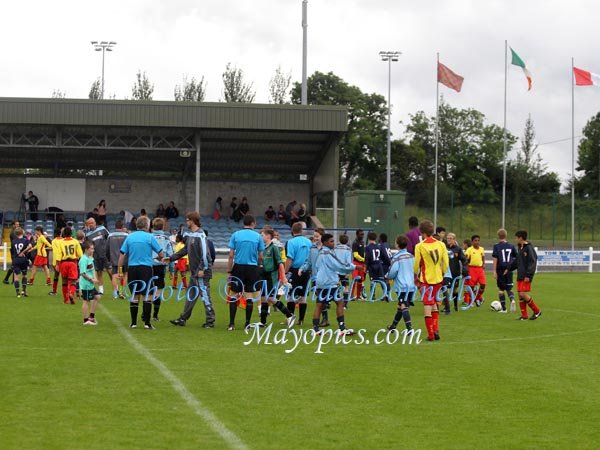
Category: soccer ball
[496,306]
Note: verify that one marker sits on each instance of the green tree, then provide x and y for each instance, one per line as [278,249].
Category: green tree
[527,176]
[235,90]
[57,93]
[363,147]
[469,153]
[588,161]
[191,91]
[279,87]
[142,89]
[96,90]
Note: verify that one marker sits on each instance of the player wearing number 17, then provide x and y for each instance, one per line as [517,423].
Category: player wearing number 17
[70,252]
[431,263]
[503,255]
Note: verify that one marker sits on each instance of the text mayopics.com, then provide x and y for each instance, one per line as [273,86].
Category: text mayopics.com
[229,287]
[262,335]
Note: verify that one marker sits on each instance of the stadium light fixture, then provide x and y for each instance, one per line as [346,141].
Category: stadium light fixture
[103,46]
[389,56]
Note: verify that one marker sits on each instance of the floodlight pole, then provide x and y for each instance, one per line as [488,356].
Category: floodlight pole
[104,46]
[389,56]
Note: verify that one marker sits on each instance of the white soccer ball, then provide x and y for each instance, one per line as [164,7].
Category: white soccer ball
[496,306]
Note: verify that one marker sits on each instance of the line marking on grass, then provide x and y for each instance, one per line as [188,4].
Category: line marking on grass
[219,427]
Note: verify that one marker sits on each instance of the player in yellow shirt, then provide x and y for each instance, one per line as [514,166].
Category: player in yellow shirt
[41,260]
[476,258]
[55,262]
[181,264]
[70,252]
[431,263]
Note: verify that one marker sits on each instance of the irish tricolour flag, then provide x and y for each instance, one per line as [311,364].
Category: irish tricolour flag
[585,78]
[517,61]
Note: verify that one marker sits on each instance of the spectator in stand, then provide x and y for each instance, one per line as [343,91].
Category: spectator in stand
[218,208]
[243,209]
[133,224]
[301,213]
[232,208]
[161,211]
[32,202]
[92,214]
[102,211]
[171,212]
[289,212]
[270,214]
[127,216]
[281,214]
[143,213]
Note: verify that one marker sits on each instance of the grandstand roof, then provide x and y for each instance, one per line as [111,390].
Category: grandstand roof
[158,136]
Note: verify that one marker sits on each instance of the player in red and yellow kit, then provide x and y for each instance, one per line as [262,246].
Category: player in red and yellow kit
[70,252]
[431,263]
[476,258]
[41,260]
[55,262]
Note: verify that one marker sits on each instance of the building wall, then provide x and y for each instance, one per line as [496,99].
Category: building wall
[11,189]
[149,193]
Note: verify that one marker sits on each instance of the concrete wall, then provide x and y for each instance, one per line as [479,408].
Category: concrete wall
[149,193]
[11,189]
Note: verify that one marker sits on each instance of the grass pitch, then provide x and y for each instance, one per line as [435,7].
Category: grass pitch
[491,382]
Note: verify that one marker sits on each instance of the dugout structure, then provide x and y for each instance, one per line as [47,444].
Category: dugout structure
[73,138]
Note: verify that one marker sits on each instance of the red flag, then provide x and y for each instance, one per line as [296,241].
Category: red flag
[585,78]
[449,78]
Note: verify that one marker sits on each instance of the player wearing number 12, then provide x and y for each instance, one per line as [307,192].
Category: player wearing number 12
[70,252]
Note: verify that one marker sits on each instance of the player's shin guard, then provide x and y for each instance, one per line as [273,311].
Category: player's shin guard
[407,319]
[146,311]
[315,324]
[16,283]
[249,310]
[302,307]
[264,312]
[291,306]
[523,306]
[325,313]
[397,318]
[502,298]
[175,279]
[341,322]
[232,312]
[533,306]
[156,303]
[65,292]
[435,317]
[133,310]
[281,307]
[429,326]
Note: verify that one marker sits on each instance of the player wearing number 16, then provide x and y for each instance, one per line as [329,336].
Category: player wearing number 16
[70,252]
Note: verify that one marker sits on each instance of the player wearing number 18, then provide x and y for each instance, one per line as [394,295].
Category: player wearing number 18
[70,252]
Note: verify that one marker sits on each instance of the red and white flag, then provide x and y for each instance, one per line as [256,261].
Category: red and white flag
[585,78]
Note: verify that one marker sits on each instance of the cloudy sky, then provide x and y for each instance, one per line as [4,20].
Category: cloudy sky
[46,46]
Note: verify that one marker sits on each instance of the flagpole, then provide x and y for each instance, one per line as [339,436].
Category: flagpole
[572,154]
[437,119]
[504,137]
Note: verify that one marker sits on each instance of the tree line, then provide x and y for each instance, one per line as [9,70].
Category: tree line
[470,151]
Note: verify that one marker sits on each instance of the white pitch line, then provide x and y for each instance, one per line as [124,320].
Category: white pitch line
[219,427]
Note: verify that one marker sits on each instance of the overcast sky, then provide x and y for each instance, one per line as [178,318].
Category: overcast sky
[46,46]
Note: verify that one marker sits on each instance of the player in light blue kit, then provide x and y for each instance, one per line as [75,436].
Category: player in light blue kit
[401,271]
